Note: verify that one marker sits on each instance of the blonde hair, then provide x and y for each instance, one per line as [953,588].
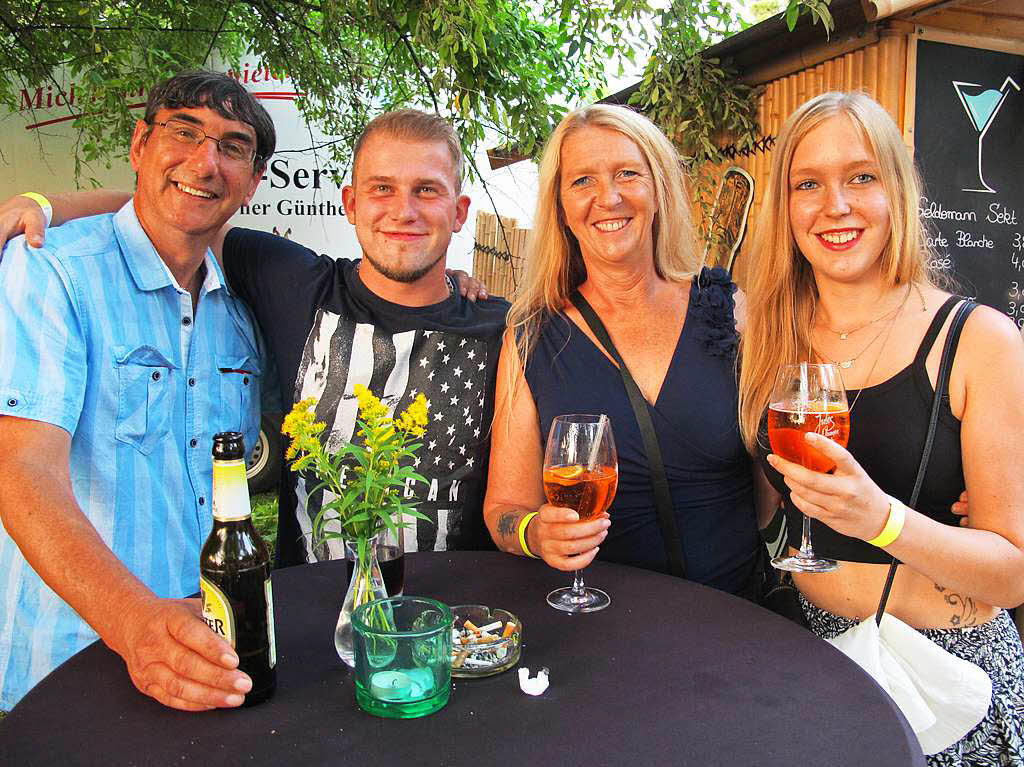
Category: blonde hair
[555,268]
[414,125]
[781,289]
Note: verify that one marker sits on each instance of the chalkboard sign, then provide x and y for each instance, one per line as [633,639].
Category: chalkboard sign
[969,145]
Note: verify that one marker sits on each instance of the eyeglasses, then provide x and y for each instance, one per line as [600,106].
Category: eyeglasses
[231,149]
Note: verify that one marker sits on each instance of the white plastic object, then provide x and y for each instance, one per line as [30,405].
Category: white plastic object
[533,685]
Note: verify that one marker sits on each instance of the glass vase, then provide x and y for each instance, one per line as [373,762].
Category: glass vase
[365,585]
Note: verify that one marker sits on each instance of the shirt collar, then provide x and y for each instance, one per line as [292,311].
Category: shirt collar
[144,263]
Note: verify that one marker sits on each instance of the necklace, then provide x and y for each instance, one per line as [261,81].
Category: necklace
[848,362]
[845,334]
[450,282]
[871,372]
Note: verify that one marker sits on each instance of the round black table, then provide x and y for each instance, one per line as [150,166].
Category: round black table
[671,673]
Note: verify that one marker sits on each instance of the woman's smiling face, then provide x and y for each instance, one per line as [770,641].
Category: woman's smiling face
[838,210]
[607,195]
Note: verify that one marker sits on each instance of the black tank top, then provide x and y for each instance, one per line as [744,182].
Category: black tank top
[888,427]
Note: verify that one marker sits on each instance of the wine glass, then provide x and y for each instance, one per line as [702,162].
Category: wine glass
[581,472]
[807,398]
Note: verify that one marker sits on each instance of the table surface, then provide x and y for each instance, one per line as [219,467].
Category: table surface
[671,673]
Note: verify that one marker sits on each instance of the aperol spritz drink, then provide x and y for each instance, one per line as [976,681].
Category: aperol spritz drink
[580,473]
[807,398]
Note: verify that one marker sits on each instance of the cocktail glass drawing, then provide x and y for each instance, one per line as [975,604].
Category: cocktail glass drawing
[981,108]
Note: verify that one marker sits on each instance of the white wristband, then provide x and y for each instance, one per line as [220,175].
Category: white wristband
[42,202]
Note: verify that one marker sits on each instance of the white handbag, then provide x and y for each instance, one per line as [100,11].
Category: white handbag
[942,696]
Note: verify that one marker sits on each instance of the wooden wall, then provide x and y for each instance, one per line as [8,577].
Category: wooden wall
[499,252]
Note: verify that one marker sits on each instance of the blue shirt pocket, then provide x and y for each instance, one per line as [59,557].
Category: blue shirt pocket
[144,399]
[239,395]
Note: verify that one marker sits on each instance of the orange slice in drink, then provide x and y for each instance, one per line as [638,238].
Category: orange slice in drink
[567,472]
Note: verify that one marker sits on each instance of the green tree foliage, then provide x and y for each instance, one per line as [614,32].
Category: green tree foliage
[698,100]
[502,64]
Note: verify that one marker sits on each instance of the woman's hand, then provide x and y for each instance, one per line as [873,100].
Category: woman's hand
[558,537]
[846,500]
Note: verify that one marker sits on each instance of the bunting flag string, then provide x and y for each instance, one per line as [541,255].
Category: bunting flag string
[761,146]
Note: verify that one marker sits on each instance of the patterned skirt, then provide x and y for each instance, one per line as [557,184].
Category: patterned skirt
[995,646]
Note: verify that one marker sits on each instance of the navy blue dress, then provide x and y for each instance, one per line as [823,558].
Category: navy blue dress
[708,468]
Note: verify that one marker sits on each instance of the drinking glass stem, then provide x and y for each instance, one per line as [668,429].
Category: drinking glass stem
[578,589]
[805,539]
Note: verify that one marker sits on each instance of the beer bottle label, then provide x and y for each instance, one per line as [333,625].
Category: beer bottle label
[270,622]
[217,611]
[230,491]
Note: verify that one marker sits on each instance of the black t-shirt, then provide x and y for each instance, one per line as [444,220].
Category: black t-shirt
[327,333]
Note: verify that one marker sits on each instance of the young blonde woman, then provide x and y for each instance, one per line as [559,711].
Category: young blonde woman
[613,221]
[840,276]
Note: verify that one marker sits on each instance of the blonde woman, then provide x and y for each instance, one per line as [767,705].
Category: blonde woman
[840,275]
[613,221]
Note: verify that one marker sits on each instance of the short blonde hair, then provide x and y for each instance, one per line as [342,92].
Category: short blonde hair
[554,267]
[415,125]
[781,289]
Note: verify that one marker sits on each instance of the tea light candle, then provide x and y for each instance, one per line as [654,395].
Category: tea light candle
[391,686]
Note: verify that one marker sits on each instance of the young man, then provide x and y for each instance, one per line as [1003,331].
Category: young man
[121,354]
[391,321]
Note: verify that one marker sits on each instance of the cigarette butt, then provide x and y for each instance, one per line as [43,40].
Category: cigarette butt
[491,627]
[485,638]
[474,663]
[510,629]
[459,659]
[471,626]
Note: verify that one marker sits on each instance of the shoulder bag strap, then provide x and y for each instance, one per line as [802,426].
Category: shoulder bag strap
[941,385]
[659,482]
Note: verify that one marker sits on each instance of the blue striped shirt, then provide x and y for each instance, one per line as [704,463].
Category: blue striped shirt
[97,339]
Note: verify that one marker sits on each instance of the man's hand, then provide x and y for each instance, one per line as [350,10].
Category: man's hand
[174,657]
[22,215]
[960,508]
[469,286]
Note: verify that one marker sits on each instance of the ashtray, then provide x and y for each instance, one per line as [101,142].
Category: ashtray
[484,641]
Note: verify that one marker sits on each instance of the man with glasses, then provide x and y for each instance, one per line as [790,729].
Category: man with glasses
[392,321]
[122,353]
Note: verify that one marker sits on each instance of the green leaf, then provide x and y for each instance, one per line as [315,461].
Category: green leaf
[792,13]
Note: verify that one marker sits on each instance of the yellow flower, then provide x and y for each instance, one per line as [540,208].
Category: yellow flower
[414,419]
[377,451]
[299,418]
[371,409]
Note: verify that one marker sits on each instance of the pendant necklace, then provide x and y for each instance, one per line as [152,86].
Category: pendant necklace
[847,363]
[845,334]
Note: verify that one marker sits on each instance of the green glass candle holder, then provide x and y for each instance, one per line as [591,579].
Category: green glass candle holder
[403,651]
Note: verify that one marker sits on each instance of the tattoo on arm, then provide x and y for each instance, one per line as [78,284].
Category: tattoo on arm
[966,611]
[507,524]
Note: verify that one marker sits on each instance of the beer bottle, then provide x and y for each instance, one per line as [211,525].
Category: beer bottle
[234,572]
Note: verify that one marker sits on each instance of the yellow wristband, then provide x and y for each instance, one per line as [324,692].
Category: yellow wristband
[522,534]
[893,525]
[42,202]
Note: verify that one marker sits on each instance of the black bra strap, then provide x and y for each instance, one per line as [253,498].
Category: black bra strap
[659,481]
[941,384]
